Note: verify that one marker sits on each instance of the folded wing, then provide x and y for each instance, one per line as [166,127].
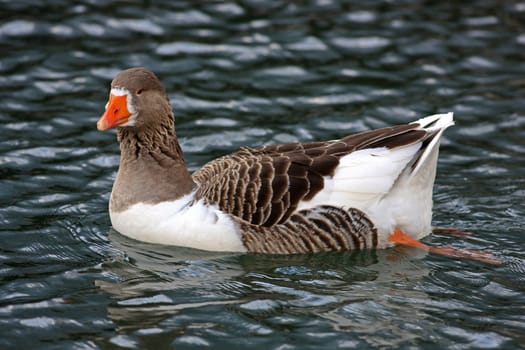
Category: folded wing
[266,185]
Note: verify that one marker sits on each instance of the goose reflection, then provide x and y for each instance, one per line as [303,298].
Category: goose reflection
[155,284]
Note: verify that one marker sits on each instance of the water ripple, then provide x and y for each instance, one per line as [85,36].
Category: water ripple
[253,73]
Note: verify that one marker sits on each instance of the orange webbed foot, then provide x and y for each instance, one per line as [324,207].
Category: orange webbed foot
[399,237]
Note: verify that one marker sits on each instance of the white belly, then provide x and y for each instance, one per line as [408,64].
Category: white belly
[178,223]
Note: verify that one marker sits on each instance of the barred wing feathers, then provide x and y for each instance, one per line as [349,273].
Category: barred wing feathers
[266,185]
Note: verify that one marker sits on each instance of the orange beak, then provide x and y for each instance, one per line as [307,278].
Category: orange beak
[116,113]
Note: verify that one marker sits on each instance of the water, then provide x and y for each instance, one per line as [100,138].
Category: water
[250,73]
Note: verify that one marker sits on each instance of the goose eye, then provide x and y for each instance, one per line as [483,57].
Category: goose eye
[139,92]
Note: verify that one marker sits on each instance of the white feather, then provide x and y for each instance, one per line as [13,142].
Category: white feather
[182,223]
[363,177]
[436,122]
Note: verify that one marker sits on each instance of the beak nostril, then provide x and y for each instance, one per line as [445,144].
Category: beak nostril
[115,111]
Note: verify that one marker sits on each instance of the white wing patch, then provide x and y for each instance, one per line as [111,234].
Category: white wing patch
[363,177]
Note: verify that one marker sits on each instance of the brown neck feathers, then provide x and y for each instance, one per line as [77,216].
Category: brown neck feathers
[152,168]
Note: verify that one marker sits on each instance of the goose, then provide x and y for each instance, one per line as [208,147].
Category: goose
[368,190]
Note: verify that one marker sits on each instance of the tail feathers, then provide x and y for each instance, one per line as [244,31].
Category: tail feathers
[436,122]
[434,125]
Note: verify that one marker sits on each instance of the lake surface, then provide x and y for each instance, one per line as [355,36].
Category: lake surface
[252,73]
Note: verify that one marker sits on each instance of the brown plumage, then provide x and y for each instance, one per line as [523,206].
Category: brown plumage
[264,185]
[257,198]
[323,228]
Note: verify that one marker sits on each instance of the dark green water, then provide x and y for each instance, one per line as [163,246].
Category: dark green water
[249,73]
